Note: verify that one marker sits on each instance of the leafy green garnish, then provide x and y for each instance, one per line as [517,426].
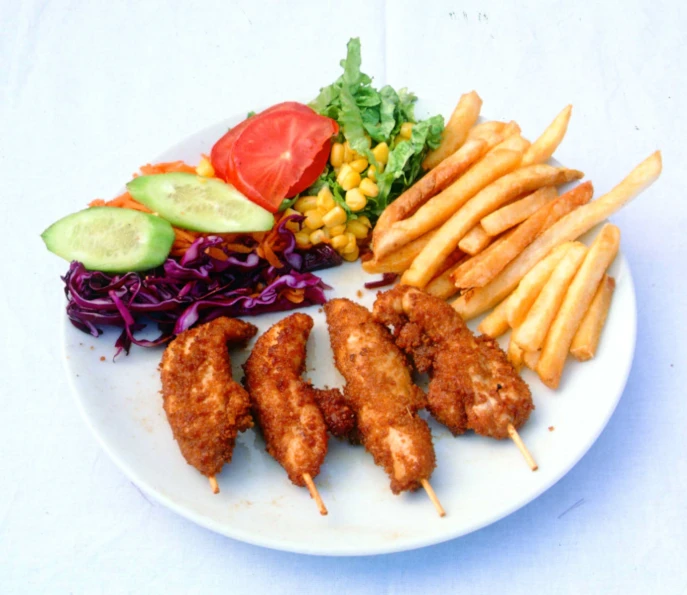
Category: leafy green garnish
[287,203]
[368,116]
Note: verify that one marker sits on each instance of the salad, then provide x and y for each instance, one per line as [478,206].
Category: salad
[290,190]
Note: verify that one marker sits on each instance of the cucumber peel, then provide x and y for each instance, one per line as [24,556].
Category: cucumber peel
[200,204]
[111,239]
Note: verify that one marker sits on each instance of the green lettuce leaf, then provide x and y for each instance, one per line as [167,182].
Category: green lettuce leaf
[369,116]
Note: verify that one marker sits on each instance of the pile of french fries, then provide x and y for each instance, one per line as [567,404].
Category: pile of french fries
[487,223]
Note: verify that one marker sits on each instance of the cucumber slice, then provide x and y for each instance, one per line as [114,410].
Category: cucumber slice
[111,240]
[200,204]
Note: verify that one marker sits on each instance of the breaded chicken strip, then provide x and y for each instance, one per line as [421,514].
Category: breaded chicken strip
[204,405]
[338,415]
[472,383]
[283,403]
[380,390]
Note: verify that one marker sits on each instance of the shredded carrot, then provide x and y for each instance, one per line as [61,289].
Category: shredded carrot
[265,251]
[166,168]
[269,245]
[183,235]
[240,248]
[294,295]
[125,201]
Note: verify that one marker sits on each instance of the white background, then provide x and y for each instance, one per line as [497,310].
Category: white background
[91,90]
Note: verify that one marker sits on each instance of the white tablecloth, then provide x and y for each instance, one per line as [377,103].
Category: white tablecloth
[90,90]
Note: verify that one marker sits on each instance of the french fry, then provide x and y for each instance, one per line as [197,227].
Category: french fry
[525,294]
[586,338]
[487,128]
[514,142]
[475,240]
[398,261]
[496,323]
[441,285]
[515,354]
[531,333]
[516,212]
[440,207]
[493,260]
[575,305]
[530,359]
[511,128]
[542,149]
[490,137]
[432,183]
[486,201]
[456,131]
[570,227]
[454,258]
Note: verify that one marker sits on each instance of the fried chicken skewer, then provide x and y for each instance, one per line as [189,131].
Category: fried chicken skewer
[205,407]
[380,390]
[284,405]
[472,383]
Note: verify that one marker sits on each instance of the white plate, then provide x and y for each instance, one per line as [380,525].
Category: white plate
[478,480]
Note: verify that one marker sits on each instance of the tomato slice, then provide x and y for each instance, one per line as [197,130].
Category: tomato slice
[220,153]
[278,154]
[313,172]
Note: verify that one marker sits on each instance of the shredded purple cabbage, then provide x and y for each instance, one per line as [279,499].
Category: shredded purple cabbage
[195,289]
[387,279]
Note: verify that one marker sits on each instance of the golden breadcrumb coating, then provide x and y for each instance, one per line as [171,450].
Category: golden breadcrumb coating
[283,403]
[204,405]
[472,383]
[380,390]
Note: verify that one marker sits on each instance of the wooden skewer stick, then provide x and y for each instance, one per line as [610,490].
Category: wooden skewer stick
[312,488]
[513,433]
[433,497]
[213,484]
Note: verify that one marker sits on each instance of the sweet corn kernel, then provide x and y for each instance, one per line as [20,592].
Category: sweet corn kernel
[337,230]
[359,165]
[319,236]
[305,203]
[293,226]
[339,242]
[406,130]
[351,242]
[344,170]
[352,255]
[302,239]
[336,216]
[349,154]
[368,187]
[372,173]
[336,156]
[313,219]
[355,199]
[348,178]
[381,153]
[359,230]
[365,221]
[205,168]
[325,199]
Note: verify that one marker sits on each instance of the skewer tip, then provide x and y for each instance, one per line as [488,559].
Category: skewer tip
[513,433]
[314,494]
[213,484]
[433,497]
